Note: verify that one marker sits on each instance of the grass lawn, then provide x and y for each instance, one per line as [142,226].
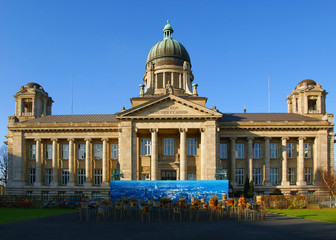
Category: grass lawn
[326,215]
[8,215]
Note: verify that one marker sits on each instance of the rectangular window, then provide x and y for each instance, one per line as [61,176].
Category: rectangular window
[274,150]
[223,151]
[81,151]
[257,176]
[290,150]
[32,151]
[221,174]
[96,195]
[48,176]
[240,150]
[65,176]
[32,176]
[145,177]
[98,151]
[65,151]
[45,196]
[307,150]
[145,145]
[292,176]
[169,146]
[114,151]
[309,176]
[240,176]
[97,176]
[168,175]
[191,146]
[274,176]
[256,150]
[48,151]
[191,176]
[81,176]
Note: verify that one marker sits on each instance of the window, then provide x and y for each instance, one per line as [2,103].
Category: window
[32,176]
[168,175]
[308,176]
[257,176]
[191,146]
[292,176]
[240,150]
[81,151]
[81,176]
[256,150]
[48,151]
[97,176]
[48,176]
[221,174]
[45,196]
[145,146]
[274,176]
[240,176]
[65,151]
[65,176]
[98,151]
[61,194]
[307,150]
[32,151]
[96,195]
[145,177]
[274,150]
[169,146]
[191,176]
[290,150]
[114,151]
[223,151]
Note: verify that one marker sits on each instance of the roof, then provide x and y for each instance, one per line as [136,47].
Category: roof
[92,118]
[264,117]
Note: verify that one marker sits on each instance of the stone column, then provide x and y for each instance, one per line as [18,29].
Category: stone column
[233,160]
[87,163]
[71,163]
[54,163]
[285,181]
[315,162]
[183,154]
[267,162]
[203,154]
[164,79]
[300,163]
[250,157]
[104,160]
[154,154]
[38,163]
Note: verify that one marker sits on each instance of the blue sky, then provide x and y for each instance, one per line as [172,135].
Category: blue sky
[233,46]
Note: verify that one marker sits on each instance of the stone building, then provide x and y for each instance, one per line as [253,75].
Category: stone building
[168,134]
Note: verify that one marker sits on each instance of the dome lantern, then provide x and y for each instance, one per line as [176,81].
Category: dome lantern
[168,31]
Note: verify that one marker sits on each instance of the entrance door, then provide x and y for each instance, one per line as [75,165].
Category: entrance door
[168,175]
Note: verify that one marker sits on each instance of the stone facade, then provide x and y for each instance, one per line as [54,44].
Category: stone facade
[168,134]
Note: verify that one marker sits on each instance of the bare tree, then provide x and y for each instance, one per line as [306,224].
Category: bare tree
[3,164]
[328,181]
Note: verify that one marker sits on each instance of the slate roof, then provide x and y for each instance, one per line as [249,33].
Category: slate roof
[264,117]
[92,118]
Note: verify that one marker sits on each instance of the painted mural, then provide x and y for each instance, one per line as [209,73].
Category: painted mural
[169,189]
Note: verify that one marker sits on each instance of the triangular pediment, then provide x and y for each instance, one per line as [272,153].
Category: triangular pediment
[169,106]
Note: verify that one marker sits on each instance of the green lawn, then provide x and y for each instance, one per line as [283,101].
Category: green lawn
[326,215]
[8,215]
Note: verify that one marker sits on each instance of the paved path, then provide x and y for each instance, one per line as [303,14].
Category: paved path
[68,227]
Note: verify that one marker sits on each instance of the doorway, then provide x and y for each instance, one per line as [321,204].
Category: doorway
[168,175]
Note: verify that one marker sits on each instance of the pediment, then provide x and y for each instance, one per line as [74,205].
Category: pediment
[169,107]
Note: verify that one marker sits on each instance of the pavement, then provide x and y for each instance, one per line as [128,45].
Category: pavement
[68,226]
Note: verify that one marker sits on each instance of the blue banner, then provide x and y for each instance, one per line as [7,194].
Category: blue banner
[169,189]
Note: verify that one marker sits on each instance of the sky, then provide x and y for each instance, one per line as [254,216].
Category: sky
[102,45]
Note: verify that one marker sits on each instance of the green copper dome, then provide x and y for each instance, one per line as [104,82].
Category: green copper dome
[168,48]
